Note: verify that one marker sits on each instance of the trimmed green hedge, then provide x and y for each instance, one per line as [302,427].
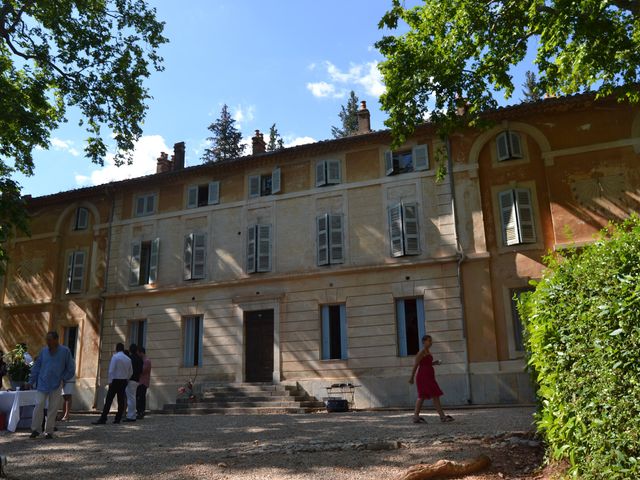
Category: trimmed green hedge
[582,331]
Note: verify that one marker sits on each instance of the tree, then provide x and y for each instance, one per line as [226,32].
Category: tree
[275,140]
[532,91]
[225,141]
[90,55]
[458,51]
[348,117]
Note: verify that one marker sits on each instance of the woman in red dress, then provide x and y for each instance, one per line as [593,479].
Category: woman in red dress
[426,382]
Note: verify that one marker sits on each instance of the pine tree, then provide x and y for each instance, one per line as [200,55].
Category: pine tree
[275,140]
[225,141]
[532,91]
[349,118]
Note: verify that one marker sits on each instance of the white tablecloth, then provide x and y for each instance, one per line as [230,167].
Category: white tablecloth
[10,403]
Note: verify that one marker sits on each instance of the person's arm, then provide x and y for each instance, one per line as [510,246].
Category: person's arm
[112,368]
[130,365]
[415,365]
[70,367]
[35,371]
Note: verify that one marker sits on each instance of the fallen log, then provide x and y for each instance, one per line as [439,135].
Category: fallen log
[446,468]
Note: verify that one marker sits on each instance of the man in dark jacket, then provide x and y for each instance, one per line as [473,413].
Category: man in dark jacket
[132,386]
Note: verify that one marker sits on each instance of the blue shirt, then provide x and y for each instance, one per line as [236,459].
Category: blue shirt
[51,370]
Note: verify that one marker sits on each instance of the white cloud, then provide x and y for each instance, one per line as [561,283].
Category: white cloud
[366,75]
[324,89]
[64,146]
[243,114]
[146,152]
[295,141]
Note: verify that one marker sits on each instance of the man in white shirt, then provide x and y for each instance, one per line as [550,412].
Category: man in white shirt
[120,370]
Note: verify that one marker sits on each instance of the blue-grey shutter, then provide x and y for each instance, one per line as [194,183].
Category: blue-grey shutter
[334,174]
[134,263]
[200,321]
[515,145]
[251,248]
[188,341]
[322,238]
[344,344]
[214,193]
[276,180]
[254,186]
[526,225]
[321,174]
[198,268]
[326,340]
[410,229]
[502,146]
[395,230]
[264,248]
[69,272]
[151,204]
[140,203]
[188,256]
[509,218]
[420,155]
[336,239]
[192,196]
[77,280]
[402,328]
[422,329]
[153,261]
[388,162]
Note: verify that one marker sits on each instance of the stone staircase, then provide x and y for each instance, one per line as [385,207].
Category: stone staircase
[247,399]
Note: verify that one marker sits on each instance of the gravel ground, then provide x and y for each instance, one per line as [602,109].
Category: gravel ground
[356,445]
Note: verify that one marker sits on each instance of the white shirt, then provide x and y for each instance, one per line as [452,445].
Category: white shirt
[120,367]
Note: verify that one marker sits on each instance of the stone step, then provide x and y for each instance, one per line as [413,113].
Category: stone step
[242,393]
[233,410]
[222,404]
[244,387]
[250,398]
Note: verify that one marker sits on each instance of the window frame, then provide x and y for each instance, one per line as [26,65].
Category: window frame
[134,332]
[72,265]
[403,229]
[135,262]
[334,245]
[401,325]
[324,170]
[257,190]
[392,162]
[192,325]
[194,242]
[78,226]
[255,259]
[518,210]
[512,146]
[65,339]
[326,332]
[212,197]
[145,202]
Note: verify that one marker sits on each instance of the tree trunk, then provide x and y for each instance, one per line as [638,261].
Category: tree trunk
[446,468]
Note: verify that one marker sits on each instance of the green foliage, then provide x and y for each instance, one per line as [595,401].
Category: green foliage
[275,140]
[582,329]
[17,368]
[92,55]
[348,117]
[226,138]
[463,50]
[532,91]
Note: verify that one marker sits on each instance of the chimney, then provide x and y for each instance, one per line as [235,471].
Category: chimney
[364,119]
[258,144]
[164,164]
[178,156]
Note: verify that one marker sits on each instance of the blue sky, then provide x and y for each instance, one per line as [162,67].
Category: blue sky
[292,62]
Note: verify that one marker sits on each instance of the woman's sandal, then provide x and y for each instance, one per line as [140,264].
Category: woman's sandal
[419,420]
[446,418]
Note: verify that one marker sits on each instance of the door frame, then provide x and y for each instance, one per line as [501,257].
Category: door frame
[250,304]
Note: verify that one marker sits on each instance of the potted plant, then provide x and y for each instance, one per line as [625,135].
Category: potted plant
[17,368]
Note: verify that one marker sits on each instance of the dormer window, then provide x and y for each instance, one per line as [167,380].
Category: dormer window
[82,219]
[509,146]
[205,194]
[405,161]
[328,173]
[145,205]
[264,185]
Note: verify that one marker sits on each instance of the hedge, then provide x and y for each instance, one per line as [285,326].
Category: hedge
[582,332]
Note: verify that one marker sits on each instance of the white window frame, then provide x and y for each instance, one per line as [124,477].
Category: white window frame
[213,194]
[328,172]
[193,326]
[255,184]
[419,159]
[259,248]
[329,239]
[76,263]
[325,352]
[517,216]
[401,324]
[195,256]
[404,229]
[135,263]
[508,146]
[141,204]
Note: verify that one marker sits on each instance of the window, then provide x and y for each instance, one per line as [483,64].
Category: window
[407,160]
[263,185]
[403,229]
[193,341]
[514,295]
[145,204]
[328,173]
[516,213]
[259,248]
[195,256]
[334,332]
[138,332]
[71,339]
[82,219]
[75,271]
[329,239]
[144,262]
[508,146]
[201,195]
[411,329]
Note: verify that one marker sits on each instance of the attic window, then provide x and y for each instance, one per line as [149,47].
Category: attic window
[509,146]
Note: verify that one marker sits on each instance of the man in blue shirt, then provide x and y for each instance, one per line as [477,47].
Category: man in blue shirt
[53,367]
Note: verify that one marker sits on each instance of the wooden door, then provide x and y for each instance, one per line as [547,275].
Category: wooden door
[258,346]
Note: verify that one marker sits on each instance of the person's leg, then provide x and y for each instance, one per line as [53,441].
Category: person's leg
[66,407]
[416,412]
[54,404]
[438,407]
[139,391]
[111,393]
[38,412]
[132,386]
[122,400]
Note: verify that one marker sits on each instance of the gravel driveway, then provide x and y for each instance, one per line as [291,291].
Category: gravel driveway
[315,446]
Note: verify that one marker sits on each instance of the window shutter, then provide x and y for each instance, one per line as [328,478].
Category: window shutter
[410,229]
[321,177]
[153,260]
[139,206]
[134,263]
[334,175]
[200,321]
[276,177]
[69,273]
[251,249]
[78,272]
[510,233]
[326,339]
[323,239]
[254,186]
[199,256]
[214,193]
[502,146]
[151,200]
[264,248]
[188,256]
[388,162]
[525,216]
[515,144]
[192,196]
[82,218]
[420,157]
[343,332]
[395,230]
[421,320]
[188,341]
[402,328]
[336,243]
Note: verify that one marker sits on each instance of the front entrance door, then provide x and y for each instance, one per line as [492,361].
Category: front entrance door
[258,359]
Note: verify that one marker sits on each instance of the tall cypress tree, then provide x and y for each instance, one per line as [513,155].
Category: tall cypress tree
[225,141]
[532,91]
[349,118]
[275,140]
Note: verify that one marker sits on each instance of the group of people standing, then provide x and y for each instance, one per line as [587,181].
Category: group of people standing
[129,374]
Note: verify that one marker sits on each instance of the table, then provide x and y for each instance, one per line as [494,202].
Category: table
[345,391]
[10,403]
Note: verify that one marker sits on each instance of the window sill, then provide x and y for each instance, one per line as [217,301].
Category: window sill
[522,247]
[334,360]
[511,162]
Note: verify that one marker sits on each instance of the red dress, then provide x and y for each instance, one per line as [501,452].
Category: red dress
[426,379]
